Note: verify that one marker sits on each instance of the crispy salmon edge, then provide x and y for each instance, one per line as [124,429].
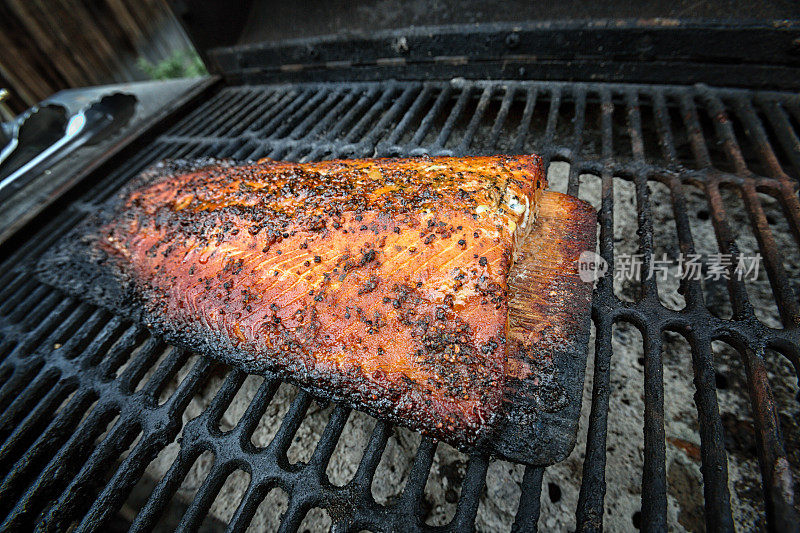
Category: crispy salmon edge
[543,400]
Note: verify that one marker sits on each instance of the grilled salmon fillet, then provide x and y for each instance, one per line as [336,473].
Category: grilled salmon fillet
[384,280]
[380,283]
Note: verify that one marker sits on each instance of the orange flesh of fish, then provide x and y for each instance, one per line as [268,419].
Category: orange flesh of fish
[382,282]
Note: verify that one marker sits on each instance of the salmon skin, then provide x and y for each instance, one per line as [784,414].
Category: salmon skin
[380,283]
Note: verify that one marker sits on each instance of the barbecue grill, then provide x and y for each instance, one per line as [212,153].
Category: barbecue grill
[685,136]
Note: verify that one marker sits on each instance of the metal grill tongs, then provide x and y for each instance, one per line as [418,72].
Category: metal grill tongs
[90,125]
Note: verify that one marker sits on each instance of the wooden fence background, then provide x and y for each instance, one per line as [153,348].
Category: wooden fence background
[49,45]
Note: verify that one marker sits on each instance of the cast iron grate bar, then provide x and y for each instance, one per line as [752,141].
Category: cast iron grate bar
[88,401]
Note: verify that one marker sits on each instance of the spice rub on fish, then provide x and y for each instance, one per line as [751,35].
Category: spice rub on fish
[381,283]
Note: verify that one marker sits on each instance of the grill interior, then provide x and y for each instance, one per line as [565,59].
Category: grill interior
[102,425]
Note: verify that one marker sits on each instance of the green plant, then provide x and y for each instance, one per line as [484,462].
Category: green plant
[181,64]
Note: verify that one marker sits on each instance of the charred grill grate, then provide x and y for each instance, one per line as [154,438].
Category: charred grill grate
[87,401]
